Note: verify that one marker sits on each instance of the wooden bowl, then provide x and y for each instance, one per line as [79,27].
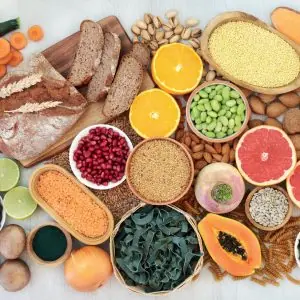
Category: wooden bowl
[201,135]
[40,261]
[136,193]
[241,16]
[259,226]
[137,289]
[41,202]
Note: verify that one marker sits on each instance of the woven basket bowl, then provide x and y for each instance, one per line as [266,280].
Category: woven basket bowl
[138,290]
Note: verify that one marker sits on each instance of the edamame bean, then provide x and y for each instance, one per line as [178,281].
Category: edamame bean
[210,134]
[193,104]
[237,120]
[239,101]
[208,89]
[225,93]
[233,109]
[241,108]
[196,97]
[212,114]
[219,87]
[203,94]
[198,121]
[203,116]
[195,113]
[198,126]
[231,123]
[222,112]
[220,135]
[201,107]
[228,114]
[224,129]
[208,120]
[212,94]
[229,131]
[218,98]
[234,94]
[223,120]
[215,105]
[202,101]
[236,128]
[231,103]
[207,106]
[204,126]
[212,126]
[218,127]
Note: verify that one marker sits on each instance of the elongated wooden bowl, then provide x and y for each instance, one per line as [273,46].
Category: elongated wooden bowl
[133,189]
[241,16]
[201,135]
[259,226]
[40,261]
[41,202]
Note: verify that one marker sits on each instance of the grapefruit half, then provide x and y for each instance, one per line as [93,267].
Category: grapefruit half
[293,185]
[265,155]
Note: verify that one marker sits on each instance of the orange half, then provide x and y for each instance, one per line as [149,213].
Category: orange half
[154,113]
[177,68]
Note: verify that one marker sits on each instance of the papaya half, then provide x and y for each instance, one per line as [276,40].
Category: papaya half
[232,245]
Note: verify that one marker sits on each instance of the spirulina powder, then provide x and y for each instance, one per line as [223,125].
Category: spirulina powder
[49,243]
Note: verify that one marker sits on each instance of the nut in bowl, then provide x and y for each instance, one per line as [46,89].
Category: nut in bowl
[268,208]
[98,156]
[217,111]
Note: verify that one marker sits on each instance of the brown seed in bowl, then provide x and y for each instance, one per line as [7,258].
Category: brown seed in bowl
[275,109]
[266,98]
[255,122]
[273,122]
[257,105]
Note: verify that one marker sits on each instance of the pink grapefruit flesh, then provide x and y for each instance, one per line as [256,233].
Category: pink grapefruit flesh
[293,185]
[265,155]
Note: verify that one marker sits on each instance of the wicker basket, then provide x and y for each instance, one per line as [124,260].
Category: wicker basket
[138,290]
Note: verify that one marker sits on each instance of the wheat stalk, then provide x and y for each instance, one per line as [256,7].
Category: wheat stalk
[35,107]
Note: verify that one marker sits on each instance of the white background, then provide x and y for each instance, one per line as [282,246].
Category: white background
[59,19]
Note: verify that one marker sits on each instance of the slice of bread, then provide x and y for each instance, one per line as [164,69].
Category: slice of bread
[142,53]
[125,87]
[88,55]
[102,80]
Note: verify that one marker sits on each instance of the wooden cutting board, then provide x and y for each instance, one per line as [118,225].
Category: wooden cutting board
[61,56]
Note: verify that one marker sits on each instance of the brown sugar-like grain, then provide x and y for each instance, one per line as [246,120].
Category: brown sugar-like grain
[71,203]
[159,171]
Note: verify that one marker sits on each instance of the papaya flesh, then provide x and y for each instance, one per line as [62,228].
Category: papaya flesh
[242,255]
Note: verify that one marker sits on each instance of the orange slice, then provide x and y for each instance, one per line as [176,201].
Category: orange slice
[154,113]
[177,68]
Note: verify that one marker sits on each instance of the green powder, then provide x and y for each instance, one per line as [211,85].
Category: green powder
[49,243]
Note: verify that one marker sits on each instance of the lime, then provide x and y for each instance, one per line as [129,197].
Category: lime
[18,203]
[9,174]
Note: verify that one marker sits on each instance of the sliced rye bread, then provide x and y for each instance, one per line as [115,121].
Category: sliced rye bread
[125,86]
[88,54]
[99,85]
[142,53]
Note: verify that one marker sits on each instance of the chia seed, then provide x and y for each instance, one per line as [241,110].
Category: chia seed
[269,207]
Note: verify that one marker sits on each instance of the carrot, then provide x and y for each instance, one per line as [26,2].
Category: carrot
[35,33]
[16,59]
[2,70]
[18,40]
[6,59]
[4,47]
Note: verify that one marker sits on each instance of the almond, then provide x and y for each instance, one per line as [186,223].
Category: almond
[217,157]
[255,122]
[141,24]
[218,147]
[257,106]
[196,172]
[225,158]
[179,134]
[235,143]
[198,147]
[232,155]
[209,149]
[273,122]
[207,156]
[225,149]
[193,136]
[193,144]
[290,99]
[275,109]
[197,155]
[200,164]
[188,140]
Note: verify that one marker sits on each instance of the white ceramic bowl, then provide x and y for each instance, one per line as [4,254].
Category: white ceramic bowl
[77,172]
[297,251]
[3,214]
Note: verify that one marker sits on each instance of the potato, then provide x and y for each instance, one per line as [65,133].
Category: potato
[257,106]
[275,109]
[291,121]
[296,140]
[273,122]
[12,241]
[266,98]
[14,275]
[255,122]
[290,99]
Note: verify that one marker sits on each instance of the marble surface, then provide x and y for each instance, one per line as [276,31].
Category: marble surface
[59,19]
